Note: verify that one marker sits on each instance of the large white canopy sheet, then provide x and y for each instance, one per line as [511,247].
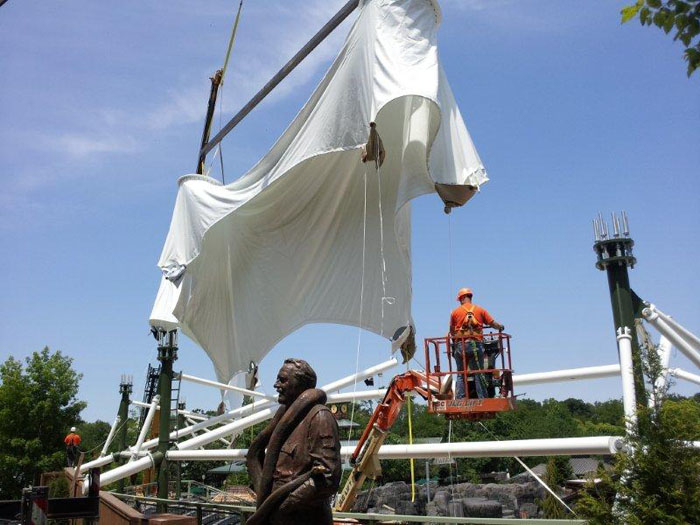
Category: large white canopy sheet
[248,263]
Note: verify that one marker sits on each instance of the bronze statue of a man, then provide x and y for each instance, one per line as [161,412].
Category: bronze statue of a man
[294,463]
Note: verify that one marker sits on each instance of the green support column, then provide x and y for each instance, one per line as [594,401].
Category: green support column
[125,388]
[167,354]
[615,257]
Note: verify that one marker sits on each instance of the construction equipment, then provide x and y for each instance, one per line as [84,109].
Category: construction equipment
[435,386]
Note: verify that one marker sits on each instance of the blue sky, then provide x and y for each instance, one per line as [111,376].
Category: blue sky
[102,105]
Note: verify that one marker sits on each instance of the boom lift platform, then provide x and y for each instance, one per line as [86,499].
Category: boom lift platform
[435,386]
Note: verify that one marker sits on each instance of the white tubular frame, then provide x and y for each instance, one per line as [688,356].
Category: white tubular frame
[571,374]
[664,353]
[146,426]
[681,338]
[110,436]
[263,406]
[269,411]
[187,413]
[124,471]
[629,401]
[686,334]
[682,374]
[223,386]
[598,445]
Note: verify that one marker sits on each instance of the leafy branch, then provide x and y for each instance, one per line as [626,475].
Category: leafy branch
[684,16]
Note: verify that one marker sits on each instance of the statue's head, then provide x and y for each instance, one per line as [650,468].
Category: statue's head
[295,376]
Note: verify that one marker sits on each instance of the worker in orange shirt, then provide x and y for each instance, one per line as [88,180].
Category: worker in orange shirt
[467,330]
[72,441]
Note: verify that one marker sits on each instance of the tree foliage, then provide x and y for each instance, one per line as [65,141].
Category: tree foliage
[683,16]
[656,481]
[558,471]
[38,406]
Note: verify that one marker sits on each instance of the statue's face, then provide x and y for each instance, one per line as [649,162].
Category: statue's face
[288,385]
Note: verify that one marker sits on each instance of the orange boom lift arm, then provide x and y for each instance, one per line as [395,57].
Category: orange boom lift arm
[364,458]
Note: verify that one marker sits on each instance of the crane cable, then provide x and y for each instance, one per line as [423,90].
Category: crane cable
[229,50]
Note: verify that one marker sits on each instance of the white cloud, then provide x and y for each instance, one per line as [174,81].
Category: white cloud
[80,146]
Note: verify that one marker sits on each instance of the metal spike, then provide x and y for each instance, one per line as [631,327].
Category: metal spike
[615,225]
[595,231]
[605,226]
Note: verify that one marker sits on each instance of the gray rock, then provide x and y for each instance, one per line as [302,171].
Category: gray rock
[528,510]
[482,508]
[406,508]
[441,499]
[455,509]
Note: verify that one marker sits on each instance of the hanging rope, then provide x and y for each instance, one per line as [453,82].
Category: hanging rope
[449,252]
[409,401]
[385,299]
[449,456]
[362,295]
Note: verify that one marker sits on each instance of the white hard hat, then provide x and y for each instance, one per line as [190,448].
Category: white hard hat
[72,429]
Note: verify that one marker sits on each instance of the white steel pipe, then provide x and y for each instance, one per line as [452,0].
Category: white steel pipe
[664,353]
[145,428]
[110,436]
[187,413]
[360,395]
[230,428]
[521,448]
[205,430]
[686,334]
[571,374]
[261,405]
[134,467]
[682,374]
[582,446]
[368,372]
[652,316]
[629,400]
[99,462]
[269,410]
[223,386]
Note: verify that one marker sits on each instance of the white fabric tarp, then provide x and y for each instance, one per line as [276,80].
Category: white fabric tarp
[248,263]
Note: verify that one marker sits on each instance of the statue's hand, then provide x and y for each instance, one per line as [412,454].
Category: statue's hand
[317,470]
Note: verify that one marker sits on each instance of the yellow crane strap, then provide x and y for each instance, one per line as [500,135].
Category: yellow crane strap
[410,442]
[231,41]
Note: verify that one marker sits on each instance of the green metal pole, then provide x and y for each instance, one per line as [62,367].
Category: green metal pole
[125,389]
[615,257]
[167,353]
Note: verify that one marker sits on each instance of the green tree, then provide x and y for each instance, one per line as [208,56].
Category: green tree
[558,471]
[38,406]
[681,15]
[93,436]
[656,481]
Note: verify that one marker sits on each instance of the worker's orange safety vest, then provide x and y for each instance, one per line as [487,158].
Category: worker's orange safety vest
[471,326]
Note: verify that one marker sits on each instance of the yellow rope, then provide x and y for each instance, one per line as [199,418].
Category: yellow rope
[410,442]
